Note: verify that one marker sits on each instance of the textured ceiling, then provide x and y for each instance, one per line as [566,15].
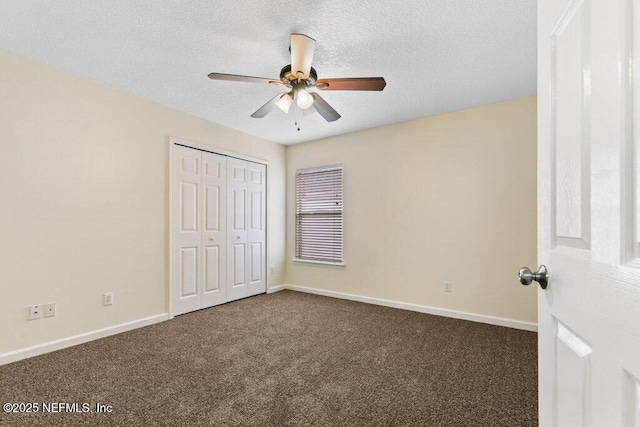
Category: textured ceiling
[436,55]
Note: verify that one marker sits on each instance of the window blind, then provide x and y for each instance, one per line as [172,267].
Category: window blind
[319,214]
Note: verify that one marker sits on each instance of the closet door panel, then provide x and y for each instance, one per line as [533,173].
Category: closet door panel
[186,230]
[238,262]
[188,271]
[256,233]
[212,267]
[255,263]
[214,225]
[237,229]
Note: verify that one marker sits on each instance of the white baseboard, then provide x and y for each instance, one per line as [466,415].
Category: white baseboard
[276,289]
[50,346]
[499,321]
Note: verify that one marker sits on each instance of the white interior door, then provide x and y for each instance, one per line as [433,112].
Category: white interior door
[214,229]
[237,265]
[589,219]
[186,230]
[256,232]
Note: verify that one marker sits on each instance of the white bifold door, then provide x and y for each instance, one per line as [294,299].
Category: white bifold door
[246,229]
[218,229]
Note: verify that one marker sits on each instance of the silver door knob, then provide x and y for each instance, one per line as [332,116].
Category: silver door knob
[212,238]
[541,276]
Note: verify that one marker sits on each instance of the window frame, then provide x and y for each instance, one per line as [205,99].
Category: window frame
[326,263]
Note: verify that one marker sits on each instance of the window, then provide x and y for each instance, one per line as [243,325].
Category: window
[319,214]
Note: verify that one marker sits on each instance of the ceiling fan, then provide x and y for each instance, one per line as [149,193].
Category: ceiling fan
[299,76]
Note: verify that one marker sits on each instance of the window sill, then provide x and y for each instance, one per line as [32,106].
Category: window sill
[321,263]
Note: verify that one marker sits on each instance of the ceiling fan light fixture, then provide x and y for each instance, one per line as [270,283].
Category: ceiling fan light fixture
[303,99]
[299,76]
[284,103]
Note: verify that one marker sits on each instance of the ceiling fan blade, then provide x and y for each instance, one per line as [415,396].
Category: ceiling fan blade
[324,109]
[266,108]
[302,48]
[247,79]
[352,83]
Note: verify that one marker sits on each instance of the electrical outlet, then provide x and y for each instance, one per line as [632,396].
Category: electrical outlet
[50,310]
[446,286]
[107,298]
[273,269]
[35,312]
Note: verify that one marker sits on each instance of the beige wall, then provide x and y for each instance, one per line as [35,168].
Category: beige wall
[445,198]
[84,187]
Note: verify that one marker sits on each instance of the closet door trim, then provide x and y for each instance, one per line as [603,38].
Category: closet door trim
[173,142]
[202,147]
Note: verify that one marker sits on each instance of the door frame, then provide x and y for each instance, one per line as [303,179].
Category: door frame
[172,143]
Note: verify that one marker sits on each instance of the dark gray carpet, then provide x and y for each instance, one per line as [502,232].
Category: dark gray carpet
[289,359]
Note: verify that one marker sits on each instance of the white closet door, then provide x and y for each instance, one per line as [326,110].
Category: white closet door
[237,229]
[256,223]
[186,230]
[214,226]
[218,229]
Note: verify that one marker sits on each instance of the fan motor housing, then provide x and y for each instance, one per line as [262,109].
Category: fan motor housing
[289,79]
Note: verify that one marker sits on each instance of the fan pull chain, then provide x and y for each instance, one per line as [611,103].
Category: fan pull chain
[298,122]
